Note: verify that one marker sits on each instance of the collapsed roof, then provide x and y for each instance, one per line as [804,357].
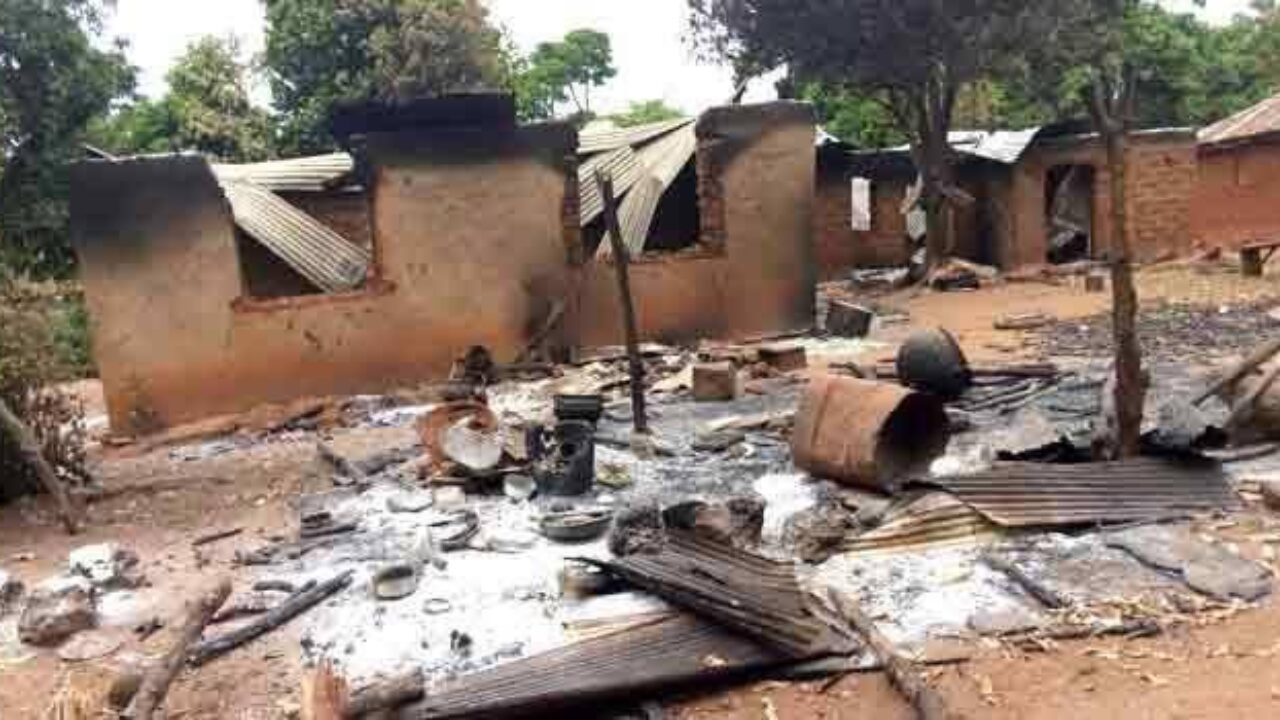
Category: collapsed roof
[644,162]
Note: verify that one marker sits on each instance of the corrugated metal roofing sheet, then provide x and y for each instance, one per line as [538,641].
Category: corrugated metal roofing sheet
[745,592]
[623,164]
[661,163]
[933,520]
[593,141]
[1032,494]
[306,174]
[328,260]
[1260,119]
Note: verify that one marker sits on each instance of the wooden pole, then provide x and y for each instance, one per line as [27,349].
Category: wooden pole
[29,448]
[903,672]
[1259,356]
[622,261]
[1244,408]
[277,616]
[155,684]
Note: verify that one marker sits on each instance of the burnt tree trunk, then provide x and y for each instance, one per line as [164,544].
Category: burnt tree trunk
[1111,109]
[29,448]
[926,110]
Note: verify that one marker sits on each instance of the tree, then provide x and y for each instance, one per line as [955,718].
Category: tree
[209,107]
[323,52]
[53,81]
[565,72]
[915,57]
[643,113]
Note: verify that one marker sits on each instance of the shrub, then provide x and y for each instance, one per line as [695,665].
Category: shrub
[31,363]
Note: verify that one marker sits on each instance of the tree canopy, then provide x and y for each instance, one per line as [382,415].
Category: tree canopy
[643,113]
[323,52]
[53,81]
[565,72]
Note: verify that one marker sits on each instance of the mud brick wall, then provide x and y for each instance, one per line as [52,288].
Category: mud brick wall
[470,239]
[1237,194]
[838,247]
[753,273]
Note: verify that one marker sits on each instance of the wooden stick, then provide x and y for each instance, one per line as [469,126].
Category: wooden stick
[156,682]
[622,261]
[386,695]
[29,448]
[903,672]
[1244,408]
[553,321]
[1259,356]
[214,537]
[283,613]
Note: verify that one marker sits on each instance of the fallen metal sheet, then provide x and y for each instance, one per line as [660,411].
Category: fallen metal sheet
[592,141]
[330,261]
[932,520]
[622,165]
[306,174]
[661,162]
[669,654]
[742,591]
[1032,494]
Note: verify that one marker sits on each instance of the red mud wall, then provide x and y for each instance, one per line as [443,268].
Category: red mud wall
[754,273]
[1237,196]
[469,236]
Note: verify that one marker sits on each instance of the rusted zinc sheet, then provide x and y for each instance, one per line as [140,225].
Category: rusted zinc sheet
[1258,120]
[325,258]
[622,165]
[750,594]
[305,174]
[592,141]
[660,163]
[1036,495]
[670,654]
[928,521]
[867,434]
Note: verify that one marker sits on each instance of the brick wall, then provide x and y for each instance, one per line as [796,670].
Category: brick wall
[1237,195]
[839,248]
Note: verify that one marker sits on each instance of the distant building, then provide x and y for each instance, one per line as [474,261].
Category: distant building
[1039,196]
[1238,195]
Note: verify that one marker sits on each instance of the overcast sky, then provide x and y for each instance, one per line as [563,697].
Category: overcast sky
[653,61]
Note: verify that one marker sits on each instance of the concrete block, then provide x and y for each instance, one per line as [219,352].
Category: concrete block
[784,357]
[716,382]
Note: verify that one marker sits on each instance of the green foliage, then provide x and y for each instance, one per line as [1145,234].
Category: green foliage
[53,81]
[855,118]
[565,72]
[206,109]
[323,52]
[29,367]
[643,113]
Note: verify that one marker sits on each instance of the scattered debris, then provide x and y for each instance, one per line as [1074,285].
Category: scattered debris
[107,566]
[395,582]
[845,319]
[576,525]
[156,682]
[1023,321]
[296,605]
[90,645]
[11,590]
[1210,569]
[57,609]
[215,536]
[784,357]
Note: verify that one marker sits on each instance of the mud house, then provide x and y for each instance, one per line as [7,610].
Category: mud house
[216,288]
[1038,196]
[1239,184]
